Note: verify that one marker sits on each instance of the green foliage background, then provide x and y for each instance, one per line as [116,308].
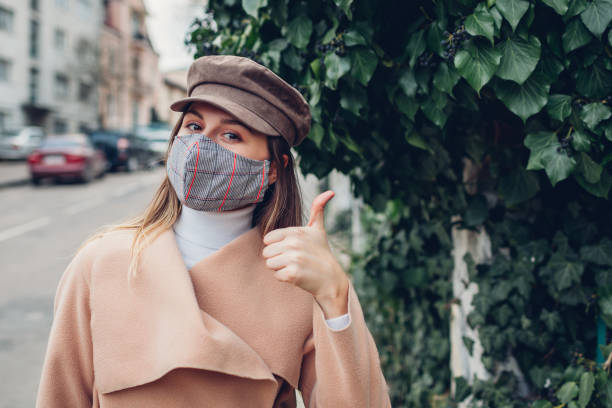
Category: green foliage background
[400,100]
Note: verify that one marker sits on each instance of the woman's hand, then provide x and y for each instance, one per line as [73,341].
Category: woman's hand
[301,256]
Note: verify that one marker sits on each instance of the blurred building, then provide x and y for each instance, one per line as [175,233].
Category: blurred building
[130,77]
[173,87]
[49,63]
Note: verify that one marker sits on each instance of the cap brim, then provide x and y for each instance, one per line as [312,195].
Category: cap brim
[241,113]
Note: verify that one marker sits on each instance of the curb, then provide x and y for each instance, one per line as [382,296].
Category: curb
[14,183]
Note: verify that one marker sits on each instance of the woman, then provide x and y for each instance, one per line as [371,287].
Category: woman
[216,296]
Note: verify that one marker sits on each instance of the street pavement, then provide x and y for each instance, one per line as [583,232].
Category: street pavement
[40,229]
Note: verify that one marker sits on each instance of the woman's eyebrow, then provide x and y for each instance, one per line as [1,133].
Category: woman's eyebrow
[235,122]
[194,113]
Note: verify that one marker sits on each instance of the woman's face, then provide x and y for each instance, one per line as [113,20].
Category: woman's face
[227,131]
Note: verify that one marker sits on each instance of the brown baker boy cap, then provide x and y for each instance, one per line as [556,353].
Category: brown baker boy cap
[250,92]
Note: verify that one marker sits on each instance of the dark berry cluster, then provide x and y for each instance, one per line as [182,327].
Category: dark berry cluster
[453,41]
[300,89]
[579,102]
[565,145]
[428,60]
[336,45]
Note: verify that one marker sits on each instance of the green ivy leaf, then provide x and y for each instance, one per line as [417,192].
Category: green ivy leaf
[587,385]
[408,106]
[477,211]
[575,36]
[416,140]
[415,47]
[353,37]
[558,165]
[581,141]
[593,113]
[597,16]
[408,83]
[589,169]
[542,404]
[600,189]
[600,254]
[567,273]
[524,100]
[316,134]
[559,107]
[445,78]
[560,6]
[354,99]
[544,155]
[363,64]
[519,58]
[299,30]
[481,23]
[519,186]
[433,108]
[345,5]
[512,10]
[594,81]
[335,68]
[252,6]
[551,320]
[462,389]
[477,64]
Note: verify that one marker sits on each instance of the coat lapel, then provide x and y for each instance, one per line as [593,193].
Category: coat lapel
[145,329]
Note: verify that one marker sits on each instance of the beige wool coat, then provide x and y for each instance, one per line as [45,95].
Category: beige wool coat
[225,333]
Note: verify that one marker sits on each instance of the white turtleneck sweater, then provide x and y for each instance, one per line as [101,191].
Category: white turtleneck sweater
[222,228]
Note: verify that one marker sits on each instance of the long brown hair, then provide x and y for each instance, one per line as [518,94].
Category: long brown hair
[281,206]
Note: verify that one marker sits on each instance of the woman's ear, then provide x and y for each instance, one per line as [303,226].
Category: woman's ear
[273,169]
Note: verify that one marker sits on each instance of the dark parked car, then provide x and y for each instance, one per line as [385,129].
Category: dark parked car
[157,139]
[122,149]
[70,155]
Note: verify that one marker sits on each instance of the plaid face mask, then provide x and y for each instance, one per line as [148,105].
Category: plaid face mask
[209,177]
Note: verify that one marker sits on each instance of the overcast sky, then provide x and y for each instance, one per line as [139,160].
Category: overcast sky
[167,23]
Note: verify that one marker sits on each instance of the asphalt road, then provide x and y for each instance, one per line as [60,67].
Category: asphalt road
[40,229]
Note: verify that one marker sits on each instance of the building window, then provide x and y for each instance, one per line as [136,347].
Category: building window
[61,86]
[84,92]
[59,40]
[5,70]
[135,108]
[6,19]
[33,38]
[62,3]
[33,85]
[136,26]
[60,126]
[135,67]
[34,5]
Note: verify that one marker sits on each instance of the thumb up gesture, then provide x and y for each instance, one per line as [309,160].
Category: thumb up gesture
[301,256]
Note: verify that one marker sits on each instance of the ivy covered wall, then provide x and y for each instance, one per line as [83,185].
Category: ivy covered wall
[402,93]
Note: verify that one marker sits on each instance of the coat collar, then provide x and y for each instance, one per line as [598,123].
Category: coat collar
[154,324]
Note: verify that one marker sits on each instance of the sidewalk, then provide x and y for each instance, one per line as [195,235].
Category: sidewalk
[13,173]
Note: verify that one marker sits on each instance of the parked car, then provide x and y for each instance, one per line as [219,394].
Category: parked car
[63,156]
[122,149]
[18,144]
[156,139]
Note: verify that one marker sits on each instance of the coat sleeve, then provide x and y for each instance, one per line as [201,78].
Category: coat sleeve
[67,372]
[341,368]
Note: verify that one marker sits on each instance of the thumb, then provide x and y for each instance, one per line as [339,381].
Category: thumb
[317,210]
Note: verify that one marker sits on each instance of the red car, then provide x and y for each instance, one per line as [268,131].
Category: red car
[67,156]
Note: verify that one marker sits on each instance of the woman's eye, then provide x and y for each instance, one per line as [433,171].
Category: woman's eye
[193,126]
[231,136]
